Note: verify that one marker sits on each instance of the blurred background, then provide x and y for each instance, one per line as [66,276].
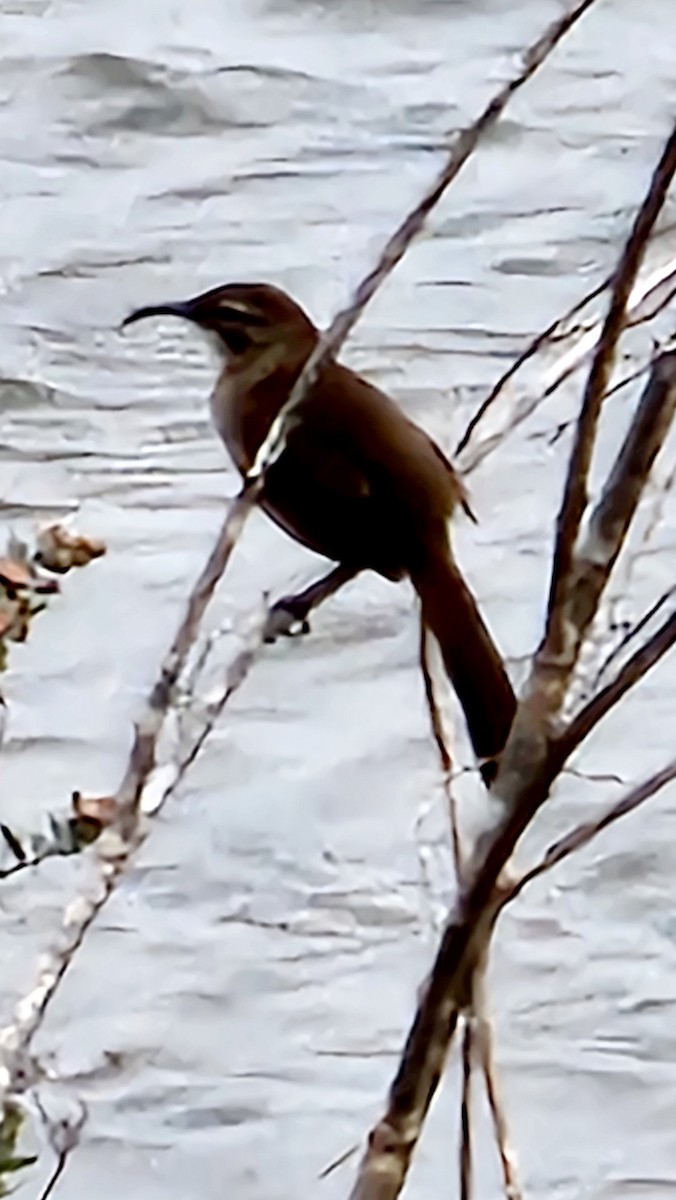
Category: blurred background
[235,1017]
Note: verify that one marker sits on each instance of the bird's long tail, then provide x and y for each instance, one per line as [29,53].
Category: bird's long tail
[472,661]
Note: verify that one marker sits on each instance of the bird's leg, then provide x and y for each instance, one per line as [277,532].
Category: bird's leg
[293,611]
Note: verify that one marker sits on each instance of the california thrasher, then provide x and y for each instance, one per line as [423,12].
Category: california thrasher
[357,482]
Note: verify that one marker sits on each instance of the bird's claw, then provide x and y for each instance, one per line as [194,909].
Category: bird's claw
[284,622]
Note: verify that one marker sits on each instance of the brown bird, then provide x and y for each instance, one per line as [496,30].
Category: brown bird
[357,482]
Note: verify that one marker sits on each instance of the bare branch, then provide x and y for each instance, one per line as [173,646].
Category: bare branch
[397,245]
[584,833]
[575,492]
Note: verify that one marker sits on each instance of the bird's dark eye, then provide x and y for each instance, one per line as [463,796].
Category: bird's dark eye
[236,339]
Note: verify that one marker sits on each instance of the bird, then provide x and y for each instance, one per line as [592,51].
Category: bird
[357,482]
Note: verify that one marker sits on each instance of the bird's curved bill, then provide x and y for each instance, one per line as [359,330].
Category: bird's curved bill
[184,309]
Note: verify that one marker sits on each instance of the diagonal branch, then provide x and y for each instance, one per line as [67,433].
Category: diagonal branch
[575,492]
[394,250]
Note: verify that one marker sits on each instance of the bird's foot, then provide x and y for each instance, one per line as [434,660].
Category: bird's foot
[284,621]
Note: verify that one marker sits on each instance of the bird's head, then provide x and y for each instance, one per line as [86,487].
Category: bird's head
[244,319]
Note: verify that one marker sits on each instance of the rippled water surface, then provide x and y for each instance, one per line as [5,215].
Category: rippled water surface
[236,1015]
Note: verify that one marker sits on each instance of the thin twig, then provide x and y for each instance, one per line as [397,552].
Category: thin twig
[485,1048]
[477,1022]
[588,830]
[432,706]
[142,757]
[445,758]
[22,864]
[663,347]
[465,1113]
[236,672]
[465,144]
[468,1039]
[338,1162]
[540,340]
[633,633]
[631,672]
[59,1168]
[575,491]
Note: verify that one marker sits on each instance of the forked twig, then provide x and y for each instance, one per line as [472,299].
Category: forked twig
[432,706]
[237,670]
